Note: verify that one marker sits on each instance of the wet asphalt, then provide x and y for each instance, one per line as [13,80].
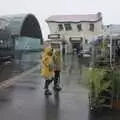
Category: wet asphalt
[25,99]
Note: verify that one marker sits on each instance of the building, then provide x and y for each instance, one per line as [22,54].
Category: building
[112,29]
[19,34]
[77,30]
[110,38]
[112,32]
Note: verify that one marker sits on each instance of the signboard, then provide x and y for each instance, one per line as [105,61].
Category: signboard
[76,39]
[54,36]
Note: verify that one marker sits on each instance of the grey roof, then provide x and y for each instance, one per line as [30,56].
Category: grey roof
[21,25]
[75,18]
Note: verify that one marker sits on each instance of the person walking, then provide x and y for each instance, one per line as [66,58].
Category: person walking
[47,70]
[57,69]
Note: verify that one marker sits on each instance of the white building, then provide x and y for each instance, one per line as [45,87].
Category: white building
[77,30]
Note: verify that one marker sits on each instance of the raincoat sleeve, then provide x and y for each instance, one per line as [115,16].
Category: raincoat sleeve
[47,70]
[45,61]
[48,63]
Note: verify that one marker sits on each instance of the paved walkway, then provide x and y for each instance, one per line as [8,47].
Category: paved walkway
[25,100]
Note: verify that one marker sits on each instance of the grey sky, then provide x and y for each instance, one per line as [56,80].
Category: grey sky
[44,8]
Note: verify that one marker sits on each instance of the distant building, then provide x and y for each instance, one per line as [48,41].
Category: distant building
[76,30]
[112,29]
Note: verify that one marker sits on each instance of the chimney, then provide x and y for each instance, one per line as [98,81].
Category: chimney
[99,14]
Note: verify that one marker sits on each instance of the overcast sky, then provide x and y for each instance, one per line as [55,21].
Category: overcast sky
[44,8]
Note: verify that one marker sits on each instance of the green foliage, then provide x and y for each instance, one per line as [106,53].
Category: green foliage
[103,83]
[115,76]
[97,82]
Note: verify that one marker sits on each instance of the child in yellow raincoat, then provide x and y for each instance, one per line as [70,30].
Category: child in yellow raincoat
[47,70]
[57,69]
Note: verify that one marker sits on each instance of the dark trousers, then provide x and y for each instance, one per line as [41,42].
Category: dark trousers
[57,78]
[47,83]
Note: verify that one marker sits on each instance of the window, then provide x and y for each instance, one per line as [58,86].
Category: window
[79,27]
[60,27]
[27,43]
[91,27]
[86,41]
[68,27]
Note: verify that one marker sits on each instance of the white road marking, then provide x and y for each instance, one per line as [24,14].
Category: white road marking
[12,81]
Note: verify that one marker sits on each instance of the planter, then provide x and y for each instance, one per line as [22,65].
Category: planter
[105,84]
[116,105]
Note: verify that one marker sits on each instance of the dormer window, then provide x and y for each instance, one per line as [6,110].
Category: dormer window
[68,27]
[79,27]
[60,27]
[91,27]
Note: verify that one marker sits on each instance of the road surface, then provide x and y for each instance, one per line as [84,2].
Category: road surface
[25,100]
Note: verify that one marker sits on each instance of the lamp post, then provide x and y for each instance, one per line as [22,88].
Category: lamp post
[110,48]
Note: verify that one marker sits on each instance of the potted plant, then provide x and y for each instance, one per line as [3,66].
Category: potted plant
[100,88]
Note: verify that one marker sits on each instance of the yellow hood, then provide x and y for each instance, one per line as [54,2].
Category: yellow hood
[47,50]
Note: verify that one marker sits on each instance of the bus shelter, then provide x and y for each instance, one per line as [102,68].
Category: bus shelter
[19,34]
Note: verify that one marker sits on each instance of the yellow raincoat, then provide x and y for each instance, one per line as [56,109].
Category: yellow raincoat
[47,70]
[57,60]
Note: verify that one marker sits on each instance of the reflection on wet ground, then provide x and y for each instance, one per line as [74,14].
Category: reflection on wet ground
[25,100]
[75,73]
[52,109]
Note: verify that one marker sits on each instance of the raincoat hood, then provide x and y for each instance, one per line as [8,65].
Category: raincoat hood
[48,50]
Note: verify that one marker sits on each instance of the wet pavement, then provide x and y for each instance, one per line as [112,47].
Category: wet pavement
[20,64]
[25,99]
